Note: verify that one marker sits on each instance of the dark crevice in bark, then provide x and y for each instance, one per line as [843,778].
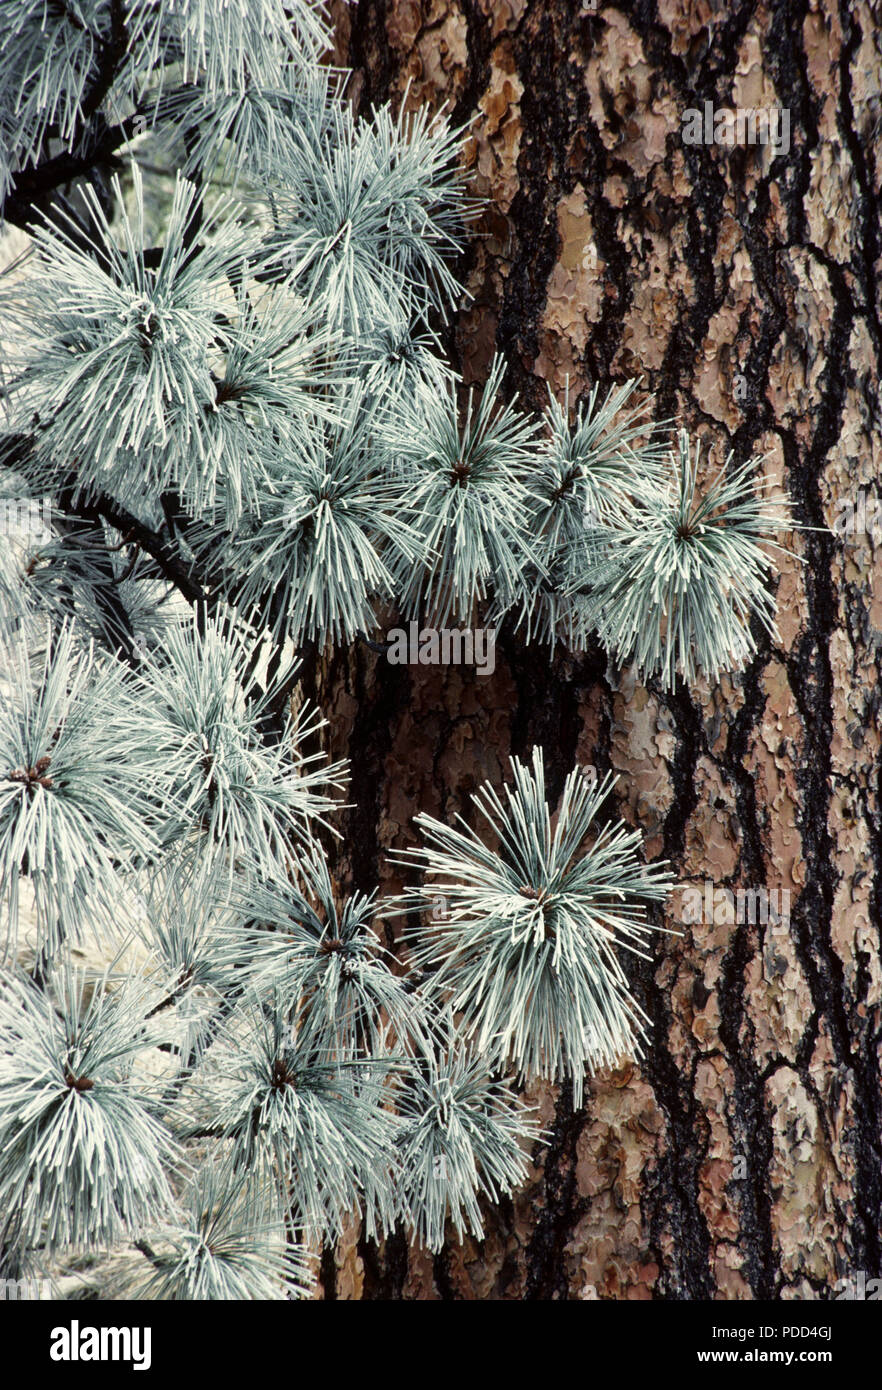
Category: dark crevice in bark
[670,1198]
[385,1267]
[546,714]
[328,1274]
[382,693]
[563,1206]
[545,127]
[441,1276]
[369,52]
[510,1272]
[479,31]
[750,1120]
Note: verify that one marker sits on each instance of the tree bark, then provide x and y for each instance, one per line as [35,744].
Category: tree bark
[741,1156]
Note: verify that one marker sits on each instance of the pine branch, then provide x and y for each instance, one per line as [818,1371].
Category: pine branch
[682,575]
[82,1152]
[29,203]
[524,949]
[464,1135]
[80,782]
[228,1244]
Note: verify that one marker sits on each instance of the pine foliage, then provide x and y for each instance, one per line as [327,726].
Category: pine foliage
[525,949]
[224,391]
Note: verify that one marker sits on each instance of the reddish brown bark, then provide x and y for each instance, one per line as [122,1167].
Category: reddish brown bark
[742,1156]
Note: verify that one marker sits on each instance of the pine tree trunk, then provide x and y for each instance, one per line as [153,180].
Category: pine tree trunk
[741,1156]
